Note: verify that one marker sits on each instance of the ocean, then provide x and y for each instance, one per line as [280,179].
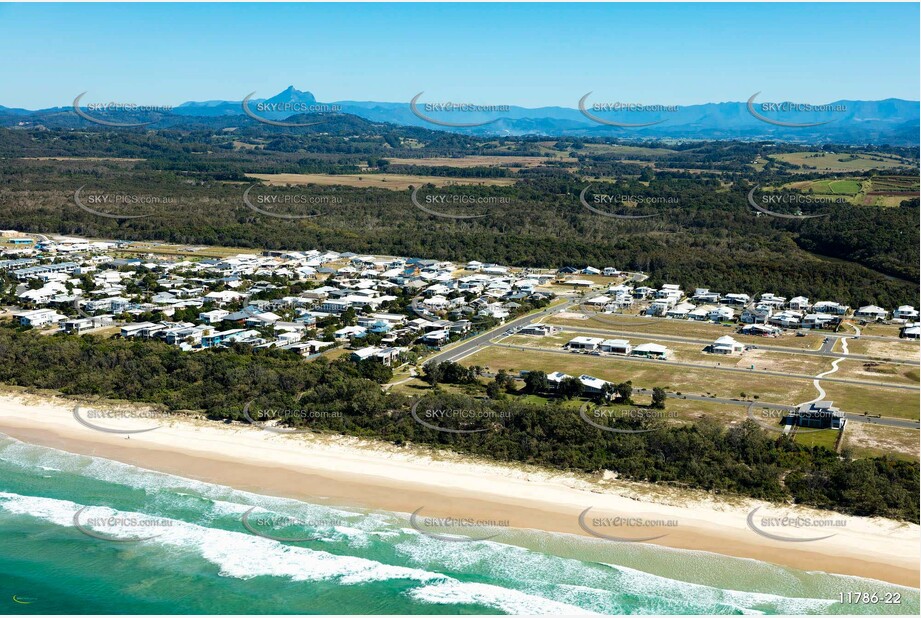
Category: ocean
[85,535]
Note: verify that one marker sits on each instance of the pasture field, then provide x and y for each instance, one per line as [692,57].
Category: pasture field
[511,161]
[833,162]
[391,182]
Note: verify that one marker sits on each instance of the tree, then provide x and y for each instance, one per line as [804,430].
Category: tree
[658,398]
[625,392]
[571,387]
[494,389]
[536,382]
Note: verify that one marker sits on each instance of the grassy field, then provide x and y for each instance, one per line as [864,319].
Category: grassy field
[693,353]
[705,331]
[888,191]
[878,372]
[707,381]
[826,438]
[93,159]
[831,162]
[857,399]
[510,161]
[392,182]
[186,251]
[868,440]
[703,381]
[896,348]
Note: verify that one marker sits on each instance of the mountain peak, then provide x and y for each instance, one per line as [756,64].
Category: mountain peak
[293,95]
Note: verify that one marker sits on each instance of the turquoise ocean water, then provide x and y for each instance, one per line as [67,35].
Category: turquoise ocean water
[197,556]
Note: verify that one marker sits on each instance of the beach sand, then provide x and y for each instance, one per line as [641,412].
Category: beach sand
[351,472]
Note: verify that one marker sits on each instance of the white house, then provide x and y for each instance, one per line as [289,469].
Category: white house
[799,303]
[905,312]
[828,306]
[541,330]
[722,314]
[817,320]
[40,317]
[725,345]
[213,317]
[651,350]
[584,343]
[871,312]
[616,346]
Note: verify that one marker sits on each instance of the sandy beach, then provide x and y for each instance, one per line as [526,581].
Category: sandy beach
[351,472]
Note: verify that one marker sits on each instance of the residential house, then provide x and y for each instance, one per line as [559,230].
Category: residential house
[725,345]
[651,350]
[871,312]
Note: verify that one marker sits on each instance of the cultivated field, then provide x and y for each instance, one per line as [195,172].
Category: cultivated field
[888,191]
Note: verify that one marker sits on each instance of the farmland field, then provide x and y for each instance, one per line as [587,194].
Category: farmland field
[392,182]
[831,162]
[510,161]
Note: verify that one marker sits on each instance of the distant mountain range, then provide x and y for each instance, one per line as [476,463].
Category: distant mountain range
[889,121]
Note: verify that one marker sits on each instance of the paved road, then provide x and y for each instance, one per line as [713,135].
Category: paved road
[782,374]
[472,345]
[824,350]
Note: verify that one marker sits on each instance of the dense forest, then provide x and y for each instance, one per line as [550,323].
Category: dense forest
[741,460]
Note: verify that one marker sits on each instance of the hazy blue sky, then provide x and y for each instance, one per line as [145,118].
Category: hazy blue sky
[522,54]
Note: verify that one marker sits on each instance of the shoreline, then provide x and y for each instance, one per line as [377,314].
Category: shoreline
[351,472]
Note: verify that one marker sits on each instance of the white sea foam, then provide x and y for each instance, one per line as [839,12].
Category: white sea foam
[505,599]
[245,556]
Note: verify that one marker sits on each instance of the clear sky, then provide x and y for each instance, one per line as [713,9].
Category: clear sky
[519,54]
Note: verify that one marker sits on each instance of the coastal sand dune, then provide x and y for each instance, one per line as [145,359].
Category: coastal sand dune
[352,472]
